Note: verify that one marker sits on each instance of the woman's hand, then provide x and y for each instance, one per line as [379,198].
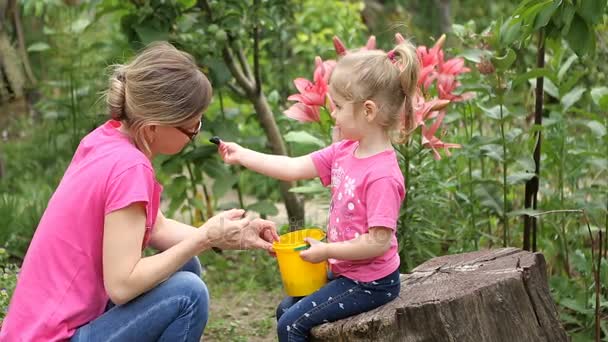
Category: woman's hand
[231,152]
[318,251]
[225,230]
[263,234]
[229,230]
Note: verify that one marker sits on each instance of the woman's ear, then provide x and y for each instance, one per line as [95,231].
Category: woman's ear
[370,110]
[150,133]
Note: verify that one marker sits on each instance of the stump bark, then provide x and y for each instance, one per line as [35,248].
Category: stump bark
[492,295]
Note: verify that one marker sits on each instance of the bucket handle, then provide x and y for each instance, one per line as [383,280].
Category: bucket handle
[307,246]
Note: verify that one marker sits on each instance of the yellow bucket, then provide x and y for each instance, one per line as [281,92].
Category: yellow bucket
[300,278]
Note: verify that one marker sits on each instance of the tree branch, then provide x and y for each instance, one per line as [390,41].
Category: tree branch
[244,64]
[256,50]
[21,42]
[235,89]
[238,74]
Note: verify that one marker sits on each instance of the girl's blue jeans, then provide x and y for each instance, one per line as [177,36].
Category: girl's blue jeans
[340,298]
[175,310]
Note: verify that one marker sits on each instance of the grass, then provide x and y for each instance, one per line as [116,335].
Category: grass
[245,288]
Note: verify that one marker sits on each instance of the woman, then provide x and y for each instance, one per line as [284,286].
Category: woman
[84,277]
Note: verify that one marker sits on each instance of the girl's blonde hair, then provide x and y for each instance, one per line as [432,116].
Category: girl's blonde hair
[389,79]
[160,86]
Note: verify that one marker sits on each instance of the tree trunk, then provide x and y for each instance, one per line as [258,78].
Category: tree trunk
[492,295]
[12,77]
[445,23]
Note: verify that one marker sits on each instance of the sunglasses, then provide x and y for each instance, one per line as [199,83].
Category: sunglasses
[191,134]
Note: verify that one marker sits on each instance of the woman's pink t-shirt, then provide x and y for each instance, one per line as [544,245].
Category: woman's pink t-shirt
[60,286]
[365,193]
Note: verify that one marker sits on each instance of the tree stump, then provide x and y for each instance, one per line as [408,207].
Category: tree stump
[491,295]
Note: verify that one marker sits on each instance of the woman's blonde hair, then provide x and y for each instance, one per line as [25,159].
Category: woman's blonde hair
[161,85]
[389,79]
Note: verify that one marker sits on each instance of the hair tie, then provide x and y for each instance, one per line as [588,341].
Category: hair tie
[391,55]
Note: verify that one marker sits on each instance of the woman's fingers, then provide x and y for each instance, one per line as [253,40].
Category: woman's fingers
[233,213]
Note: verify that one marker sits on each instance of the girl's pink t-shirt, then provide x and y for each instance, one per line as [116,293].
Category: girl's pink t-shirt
[60,286]
[365,193]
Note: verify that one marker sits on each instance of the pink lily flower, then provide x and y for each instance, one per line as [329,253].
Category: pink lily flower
[454,66]
[433,56]
[341,49]
[324,67]
[424,110]
[446,84]
[431,141]
[303,113]
[312,95]
[427,76]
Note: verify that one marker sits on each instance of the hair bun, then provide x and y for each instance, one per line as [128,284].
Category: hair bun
[115,96]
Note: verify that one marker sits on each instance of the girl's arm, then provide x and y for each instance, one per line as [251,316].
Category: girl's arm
[373,244]
[275,166]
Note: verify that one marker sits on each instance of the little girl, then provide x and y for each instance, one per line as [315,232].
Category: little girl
[369,90]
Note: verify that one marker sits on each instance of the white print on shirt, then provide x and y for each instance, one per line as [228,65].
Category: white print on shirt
[349,186]
[337,173]
[333,233]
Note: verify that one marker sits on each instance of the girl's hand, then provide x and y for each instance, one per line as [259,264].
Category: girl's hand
[318,251]
[231,152]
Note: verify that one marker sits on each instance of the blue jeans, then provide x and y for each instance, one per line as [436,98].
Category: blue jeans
[340,298]
[175,310]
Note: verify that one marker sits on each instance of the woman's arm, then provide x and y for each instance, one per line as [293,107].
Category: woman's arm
[373,244]
[127,275]
[168,232]
[275,166]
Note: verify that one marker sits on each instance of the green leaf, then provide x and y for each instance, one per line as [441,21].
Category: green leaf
[579,36]
[544,16]
[520,177]
[548,87]
[527,163]
[513,134]
[505,61]
[522,212]
[264,207]
[597,128]
[494,112]
[214,168]
[302,137]
[488,198]
[600,97]
[80,25]
[148,34]
[223,184]
[38,47]
[592,10]
[219,72]
[574,305]
[186,4]
[572,97]
[510,32]
[493,151]
[565,67]
[533,74]
[473,55]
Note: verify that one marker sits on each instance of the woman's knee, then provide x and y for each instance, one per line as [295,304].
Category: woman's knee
[189,285]
[194,266]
